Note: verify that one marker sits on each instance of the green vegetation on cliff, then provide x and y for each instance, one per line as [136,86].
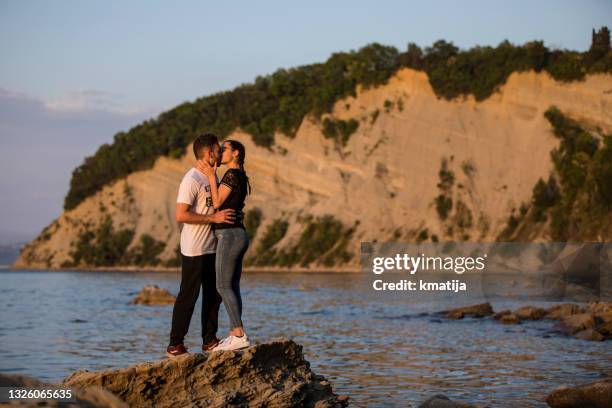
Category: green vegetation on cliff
[279,102]
[322,240]
[578,195]
[105,246]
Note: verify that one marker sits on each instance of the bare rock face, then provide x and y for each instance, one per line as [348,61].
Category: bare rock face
[273,374]
[91,397]
[154,295]
[596,394]
[479,310]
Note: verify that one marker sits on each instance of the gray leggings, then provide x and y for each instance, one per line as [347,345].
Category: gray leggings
[232,243]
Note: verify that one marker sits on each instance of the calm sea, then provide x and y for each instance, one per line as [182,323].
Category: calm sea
[380,350]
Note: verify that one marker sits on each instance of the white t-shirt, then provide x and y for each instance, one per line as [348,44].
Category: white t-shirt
[196,239]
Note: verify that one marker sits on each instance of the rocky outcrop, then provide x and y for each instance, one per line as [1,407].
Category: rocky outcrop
[529,313]
[576,323]
[479,310]
[597,394]
[154,295]
[90,397]
[593,322]
[509,318]
[558,312]
[273,374]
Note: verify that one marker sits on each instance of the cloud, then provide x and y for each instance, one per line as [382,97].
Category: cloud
[42,142]
[87,101]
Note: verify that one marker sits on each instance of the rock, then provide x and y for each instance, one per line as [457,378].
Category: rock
[596,394]
[442,401]
[598,307]
[154,295]
[91,397]
[589,334]
[509,319]
[479,310]
[272,374]
[529,313]
[558,312]
[576,323]
[499,315]
[605,328]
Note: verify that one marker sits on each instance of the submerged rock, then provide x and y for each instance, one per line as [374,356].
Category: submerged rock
[597,394]
[589,334]
[91,397]
[558,312]
[593,322]
[510,318]
[153,295]
[273,374]
[442,401]
[576,323]
[529,313]
[499,315]
[479,310]
[599,307]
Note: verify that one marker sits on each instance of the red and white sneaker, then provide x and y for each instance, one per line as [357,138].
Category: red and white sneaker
[175,351]
[206,347]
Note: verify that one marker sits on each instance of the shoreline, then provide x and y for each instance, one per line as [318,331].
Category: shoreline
[164,269]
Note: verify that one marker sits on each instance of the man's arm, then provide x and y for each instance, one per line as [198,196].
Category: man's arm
[184,215]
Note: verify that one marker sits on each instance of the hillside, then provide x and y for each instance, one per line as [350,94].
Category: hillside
[411,166]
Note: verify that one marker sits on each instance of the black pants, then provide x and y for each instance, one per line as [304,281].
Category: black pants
[196,271]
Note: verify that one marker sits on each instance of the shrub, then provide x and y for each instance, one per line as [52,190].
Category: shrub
[146,253]
[252,220]
[339,130]
[103,247]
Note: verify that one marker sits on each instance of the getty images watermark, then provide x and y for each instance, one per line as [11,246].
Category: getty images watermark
[413,264]
[577,271]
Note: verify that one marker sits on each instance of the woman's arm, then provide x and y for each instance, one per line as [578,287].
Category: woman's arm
[218,193]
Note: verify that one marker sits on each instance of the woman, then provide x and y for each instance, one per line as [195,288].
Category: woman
[232,239]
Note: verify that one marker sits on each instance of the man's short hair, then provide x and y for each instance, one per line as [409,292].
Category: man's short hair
[202,142]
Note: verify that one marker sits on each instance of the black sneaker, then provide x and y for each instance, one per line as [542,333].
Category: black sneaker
[175,351]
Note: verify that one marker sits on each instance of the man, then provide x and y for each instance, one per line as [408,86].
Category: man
[194,208]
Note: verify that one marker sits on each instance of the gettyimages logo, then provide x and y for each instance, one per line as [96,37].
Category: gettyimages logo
[413,264]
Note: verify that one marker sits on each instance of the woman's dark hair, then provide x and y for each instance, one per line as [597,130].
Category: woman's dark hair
[236,145]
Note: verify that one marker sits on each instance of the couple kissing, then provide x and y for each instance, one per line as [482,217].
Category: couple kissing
[212,244]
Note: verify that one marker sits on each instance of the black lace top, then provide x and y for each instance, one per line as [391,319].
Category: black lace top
[236,180]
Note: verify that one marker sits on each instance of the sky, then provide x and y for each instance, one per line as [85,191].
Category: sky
[74,73]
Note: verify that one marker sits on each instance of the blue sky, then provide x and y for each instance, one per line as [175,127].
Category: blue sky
[73,73]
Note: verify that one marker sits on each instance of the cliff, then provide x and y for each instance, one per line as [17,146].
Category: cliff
[381,185]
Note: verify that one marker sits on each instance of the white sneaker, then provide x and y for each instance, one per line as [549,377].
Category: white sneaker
[233,343]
